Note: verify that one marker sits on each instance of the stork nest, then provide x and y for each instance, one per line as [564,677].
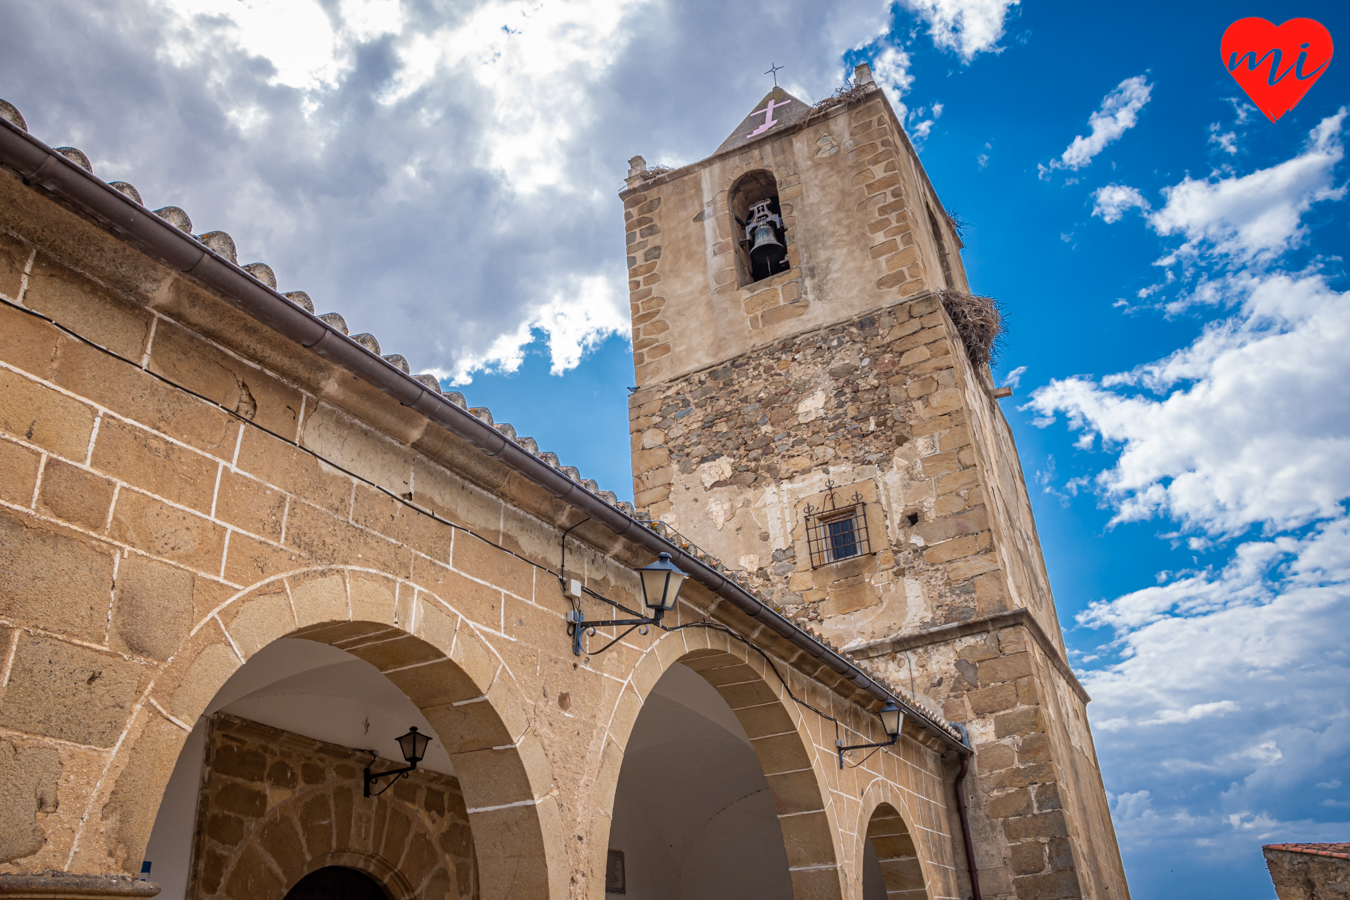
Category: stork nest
[978,320]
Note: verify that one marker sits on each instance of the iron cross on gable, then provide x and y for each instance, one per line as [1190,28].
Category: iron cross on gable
[769,120]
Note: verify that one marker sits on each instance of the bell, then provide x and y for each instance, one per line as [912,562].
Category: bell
[766,252]
[764,238]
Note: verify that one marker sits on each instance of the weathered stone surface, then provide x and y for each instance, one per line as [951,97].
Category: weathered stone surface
[28,779]
[152,607]
[68,692]
[76,495]
[54,579]
[266,825]
[1309,871]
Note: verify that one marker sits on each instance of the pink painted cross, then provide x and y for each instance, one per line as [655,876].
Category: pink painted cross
[769,120]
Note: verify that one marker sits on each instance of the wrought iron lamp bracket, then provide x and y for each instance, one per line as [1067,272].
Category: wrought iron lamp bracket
[580,629]
[372,777]
[895,738]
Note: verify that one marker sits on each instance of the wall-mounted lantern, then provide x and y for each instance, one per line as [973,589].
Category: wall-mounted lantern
[661,584]
[414,747]
[891,720]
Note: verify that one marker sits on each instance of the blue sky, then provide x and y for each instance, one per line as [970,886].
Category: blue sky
[445,175]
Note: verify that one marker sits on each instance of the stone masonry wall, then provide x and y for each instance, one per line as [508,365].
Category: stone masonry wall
[179,487]
[275,806]
[878,404]
[857,234]
[724,455]
[881,405]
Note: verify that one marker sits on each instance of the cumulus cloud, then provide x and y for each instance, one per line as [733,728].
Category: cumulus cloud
[891,70]
[1256,216]
[1220,434]
[966,27]
[1225,140]
[1220,700]
[443,176]
[1118,114]
[1213,701]
[1114,200]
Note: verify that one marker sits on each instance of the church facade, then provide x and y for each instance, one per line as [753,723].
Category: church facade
[241,551]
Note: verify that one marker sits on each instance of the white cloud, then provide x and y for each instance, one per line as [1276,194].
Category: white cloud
[1114,200]
[968,27]
[1014,378]
[1227,140]
[1255,216]
[536,62]
[919,123]
[890,69]
[1233,440]
[1228,679]
[296,38]
[575,319]
[1118,114]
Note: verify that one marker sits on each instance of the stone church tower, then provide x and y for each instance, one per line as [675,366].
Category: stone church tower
[809,410]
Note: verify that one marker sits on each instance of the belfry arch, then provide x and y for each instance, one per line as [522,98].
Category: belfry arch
[754,199]
[778,735]
[421,645]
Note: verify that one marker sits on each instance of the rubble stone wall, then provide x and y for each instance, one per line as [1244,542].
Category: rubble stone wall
[276,806]
[1301,875]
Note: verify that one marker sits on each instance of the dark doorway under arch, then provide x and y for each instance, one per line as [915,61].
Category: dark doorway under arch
[337,883]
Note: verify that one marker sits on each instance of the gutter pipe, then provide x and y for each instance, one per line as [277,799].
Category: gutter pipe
[965,822]
[133,223]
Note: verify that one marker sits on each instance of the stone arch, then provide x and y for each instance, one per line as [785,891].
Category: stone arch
[414,839]
[420,643]
[779,734]
[884,821]
[758,185]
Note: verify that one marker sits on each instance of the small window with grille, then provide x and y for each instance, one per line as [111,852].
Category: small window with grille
[836,531]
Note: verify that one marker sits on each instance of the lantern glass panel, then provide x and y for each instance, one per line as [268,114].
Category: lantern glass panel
[661,583]
[891,718]
[414,745]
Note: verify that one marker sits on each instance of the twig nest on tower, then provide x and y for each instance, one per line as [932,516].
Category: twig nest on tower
[978,320]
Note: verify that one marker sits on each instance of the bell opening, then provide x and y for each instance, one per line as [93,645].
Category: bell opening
[758,225]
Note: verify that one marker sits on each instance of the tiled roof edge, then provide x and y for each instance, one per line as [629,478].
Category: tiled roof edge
[68,173]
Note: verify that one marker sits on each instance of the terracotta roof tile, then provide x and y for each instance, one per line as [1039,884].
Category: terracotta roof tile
[1335,851]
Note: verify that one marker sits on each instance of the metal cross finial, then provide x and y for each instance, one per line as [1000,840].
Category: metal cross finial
[773,70]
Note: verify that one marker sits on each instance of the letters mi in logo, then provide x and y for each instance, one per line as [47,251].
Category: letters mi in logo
[1276,65]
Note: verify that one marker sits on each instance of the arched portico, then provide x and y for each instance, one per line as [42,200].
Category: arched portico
[779,734]
[883,825]
[416,640]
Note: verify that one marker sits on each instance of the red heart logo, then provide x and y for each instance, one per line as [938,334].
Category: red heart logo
[1276,65]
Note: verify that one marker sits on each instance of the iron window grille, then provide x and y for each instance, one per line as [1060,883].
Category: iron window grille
[836,532]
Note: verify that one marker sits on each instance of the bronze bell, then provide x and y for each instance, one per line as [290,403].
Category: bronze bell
[766,251]
[764,238]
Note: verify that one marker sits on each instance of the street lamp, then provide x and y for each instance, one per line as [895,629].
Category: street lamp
[413,746]
[891,720]
[661,584]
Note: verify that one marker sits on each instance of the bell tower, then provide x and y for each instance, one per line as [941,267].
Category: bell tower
[815,407]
